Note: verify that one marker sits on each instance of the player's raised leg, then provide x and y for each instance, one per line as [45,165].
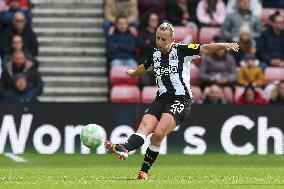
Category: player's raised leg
[135,141]
[166,125]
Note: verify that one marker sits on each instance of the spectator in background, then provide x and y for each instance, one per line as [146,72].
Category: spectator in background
[121,44]
[270,46]
[19,27]
[3,6]
[251,73]
[146,41]
[6,17]
[235,20]
[250,96]
[273,4]
[20,92]
[0,71]
[218,68]
[20,65]
[211,12]
[277,94]
[246,43]
[178,14]
[113,9]
[17,45]
[24,4]
[149,6]
[255,7]
[214,95]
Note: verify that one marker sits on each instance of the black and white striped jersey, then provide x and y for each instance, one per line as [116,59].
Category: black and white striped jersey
[172,70]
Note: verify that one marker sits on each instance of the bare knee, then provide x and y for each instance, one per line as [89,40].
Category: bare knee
[147,124]
[158,137]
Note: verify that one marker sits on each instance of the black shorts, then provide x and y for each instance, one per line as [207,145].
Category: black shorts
[177,105]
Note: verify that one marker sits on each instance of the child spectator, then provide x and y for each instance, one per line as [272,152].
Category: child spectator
[246,43]
[250,96]
[251,73]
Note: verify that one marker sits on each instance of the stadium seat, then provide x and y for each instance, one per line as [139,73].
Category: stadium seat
[194,75]
[272,74]
[181,33]
[197,93]
[118,76]
[149,94]
[266,12]
[228,94]
[125,94]
[240,90]
[206,34]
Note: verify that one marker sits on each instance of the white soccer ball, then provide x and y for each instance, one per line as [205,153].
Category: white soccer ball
[92,135]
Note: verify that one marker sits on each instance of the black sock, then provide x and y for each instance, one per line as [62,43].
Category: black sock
[134,142]
[149,159]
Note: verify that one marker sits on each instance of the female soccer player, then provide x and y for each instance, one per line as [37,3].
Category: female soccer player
[173,101]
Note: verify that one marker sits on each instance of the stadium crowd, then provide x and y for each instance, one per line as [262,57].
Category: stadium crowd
[254,75]
[20,80]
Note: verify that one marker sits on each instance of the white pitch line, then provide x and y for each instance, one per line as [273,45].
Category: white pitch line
[15,157]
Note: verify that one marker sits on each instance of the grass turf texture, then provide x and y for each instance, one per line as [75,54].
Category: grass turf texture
[171,171]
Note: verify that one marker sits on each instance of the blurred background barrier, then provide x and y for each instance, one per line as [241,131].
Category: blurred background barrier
[49,128]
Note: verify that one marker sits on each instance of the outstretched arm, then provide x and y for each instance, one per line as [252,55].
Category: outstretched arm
[138,72]
[213,47]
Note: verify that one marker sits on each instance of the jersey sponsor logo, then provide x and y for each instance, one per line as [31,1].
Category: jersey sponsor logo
[193,46]
[161,70]
[177,107]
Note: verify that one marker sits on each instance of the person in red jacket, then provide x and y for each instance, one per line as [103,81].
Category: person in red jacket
[250,96]
[24,4]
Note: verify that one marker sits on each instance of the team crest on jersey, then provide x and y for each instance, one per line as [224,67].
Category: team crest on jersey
[157,59]
[161,70]
[193,46]
[173,57]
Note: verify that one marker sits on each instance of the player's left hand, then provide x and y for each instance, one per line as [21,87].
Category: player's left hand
[130,72]
[232,46]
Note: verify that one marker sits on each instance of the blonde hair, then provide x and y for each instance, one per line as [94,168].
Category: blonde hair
[167,26]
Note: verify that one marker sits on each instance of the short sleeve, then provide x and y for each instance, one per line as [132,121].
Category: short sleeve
[190,49]
[148,64]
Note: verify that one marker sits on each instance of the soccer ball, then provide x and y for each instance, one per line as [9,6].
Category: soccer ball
[92,135]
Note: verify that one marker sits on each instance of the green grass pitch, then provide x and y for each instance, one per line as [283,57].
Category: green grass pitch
[169,171]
